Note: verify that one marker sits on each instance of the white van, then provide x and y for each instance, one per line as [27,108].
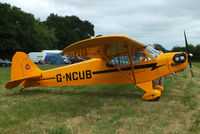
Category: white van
[40,56]
[36,56]
[52,51]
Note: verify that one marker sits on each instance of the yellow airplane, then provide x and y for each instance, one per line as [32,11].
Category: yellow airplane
[116,59]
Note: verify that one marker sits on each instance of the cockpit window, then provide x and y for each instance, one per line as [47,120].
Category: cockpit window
[154,53]
[140,56]
[124,60]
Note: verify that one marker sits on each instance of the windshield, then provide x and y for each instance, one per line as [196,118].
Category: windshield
[154,53]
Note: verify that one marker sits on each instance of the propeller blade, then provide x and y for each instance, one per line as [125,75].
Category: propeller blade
[188,52]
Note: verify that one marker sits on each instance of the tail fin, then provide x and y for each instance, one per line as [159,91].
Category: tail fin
[22,68]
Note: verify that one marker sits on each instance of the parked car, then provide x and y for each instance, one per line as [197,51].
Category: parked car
[8,62]
[5,63]
[75,59]
[66,60]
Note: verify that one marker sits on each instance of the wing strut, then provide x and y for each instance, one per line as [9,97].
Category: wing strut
[117,67]
[131,60]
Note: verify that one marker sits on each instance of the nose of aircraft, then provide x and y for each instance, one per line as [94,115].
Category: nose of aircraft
[179,58]
[177,61]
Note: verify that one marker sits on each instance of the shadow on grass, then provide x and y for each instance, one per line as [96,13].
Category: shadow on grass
[95,93]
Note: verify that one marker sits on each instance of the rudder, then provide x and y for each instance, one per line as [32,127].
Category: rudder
[23,67]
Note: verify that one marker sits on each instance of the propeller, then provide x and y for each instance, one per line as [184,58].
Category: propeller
[189,56]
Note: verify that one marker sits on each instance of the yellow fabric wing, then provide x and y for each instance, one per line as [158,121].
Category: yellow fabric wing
[102,46]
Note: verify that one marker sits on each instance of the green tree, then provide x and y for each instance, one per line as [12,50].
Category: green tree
[178,49]
[195,50]
[69,29]
[44,38]
[159,47]
[20,31]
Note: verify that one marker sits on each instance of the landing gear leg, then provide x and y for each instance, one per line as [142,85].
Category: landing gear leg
[159,87]
[150,93]
[21,90]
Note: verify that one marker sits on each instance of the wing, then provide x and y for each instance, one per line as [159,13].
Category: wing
[103,46]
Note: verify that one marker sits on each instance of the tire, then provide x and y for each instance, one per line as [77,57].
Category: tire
[3,65]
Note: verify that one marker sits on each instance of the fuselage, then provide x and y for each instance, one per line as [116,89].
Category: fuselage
[97,72]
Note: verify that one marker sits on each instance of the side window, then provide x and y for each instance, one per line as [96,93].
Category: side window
[136,58]
[121,61]
[140,56]
[125,60]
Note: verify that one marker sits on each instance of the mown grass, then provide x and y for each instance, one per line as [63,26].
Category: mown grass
[101,109]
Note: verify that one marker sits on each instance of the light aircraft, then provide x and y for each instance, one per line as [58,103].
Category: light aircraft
[115,59]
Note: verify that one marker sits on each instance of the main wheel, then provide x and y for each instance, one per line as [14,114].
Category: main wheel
[152,95]
[3,65]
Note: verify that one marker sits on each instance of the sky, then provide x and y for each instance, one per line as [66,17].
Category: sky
[147,21]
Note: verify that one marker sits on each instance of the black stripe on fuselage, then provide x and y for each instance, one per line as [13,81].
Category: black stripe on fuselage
[48,78]
[153,65]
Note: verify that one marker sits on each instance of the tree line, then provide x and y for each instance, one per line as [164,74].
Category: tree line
[195,50]
[21,31]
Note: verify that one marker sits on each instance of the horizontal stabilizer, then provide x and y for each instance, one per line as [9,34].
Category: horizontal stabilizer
[15,83]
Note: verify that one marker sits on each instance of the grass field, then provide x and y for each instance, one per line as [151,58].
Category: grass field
[101,109]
